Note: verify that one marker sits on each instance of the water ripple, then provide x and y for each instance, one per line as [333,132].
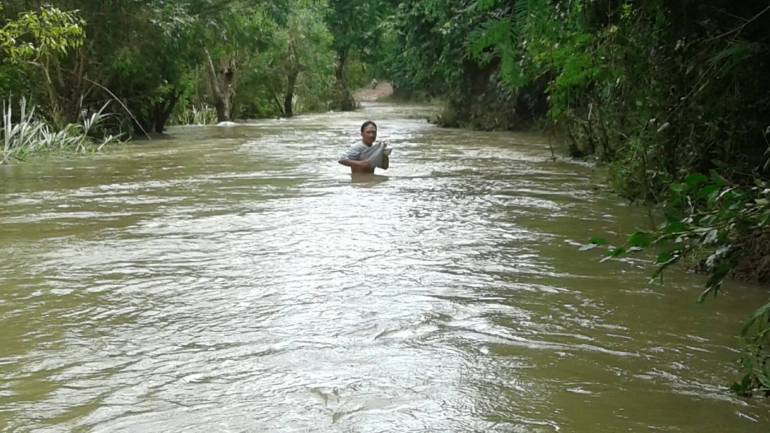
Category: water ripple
[237,279]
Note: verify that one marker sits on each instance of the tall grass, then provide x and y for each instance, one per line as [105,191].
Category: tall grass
[202,115]
[30,133]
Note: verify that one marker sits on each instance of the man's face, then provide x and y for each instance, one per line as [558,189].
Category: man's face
[369,134]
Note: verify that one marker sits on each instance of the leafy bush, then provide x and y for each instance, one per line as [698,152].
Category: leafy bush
[724,230]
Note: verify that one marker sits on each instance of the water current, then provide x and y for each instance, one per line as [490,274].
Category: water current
[237,279]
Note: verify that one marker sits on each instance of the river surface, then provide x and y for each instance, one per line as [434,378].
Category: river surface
[239,280]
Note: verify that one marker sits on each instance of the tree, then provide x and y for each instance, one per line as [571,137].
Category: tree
[133,53]
[355,25]
[300,56]
[233,38]
[41,39]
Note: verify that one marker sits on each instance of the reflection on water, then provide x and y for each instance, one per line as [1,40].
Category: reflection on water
[239,279]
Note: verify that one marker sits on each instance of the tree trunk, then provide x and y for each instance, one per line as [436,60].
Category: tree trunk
[56,115]
[343,99]
[162,110]
[222,88]
[288,110]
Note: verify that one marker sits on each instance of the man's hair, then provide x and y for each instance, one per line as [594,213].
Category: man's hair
[367,123]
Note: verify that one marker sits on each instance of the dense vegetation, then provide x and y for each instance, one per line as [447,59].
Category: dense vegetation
[156,62]
[672,96]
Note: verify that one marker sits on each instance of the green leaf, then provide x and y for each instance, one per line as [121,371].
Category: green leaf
[674,227]
[761,312]
[714,283]
[708,192]
[694,180]
[598,241]
[640,239]
[665,260]
[663,257]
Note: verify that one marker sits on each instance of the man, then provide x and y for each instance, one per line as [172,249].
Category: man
[363,157]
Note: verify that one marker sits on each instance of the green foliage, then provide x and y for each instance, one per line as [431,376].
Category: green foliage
[624,81]
[427,49]
[725,229]
[37,35]
[357,28]
[756,360]
[131,54]
[28,134]
[360,74]
[723,226]
[145,54]
[32,45]
[256,51]
[300,59]
[154,60]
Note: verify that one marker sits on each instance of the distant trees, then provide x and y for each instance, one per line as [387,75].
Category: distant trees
[301,58]
[357,28]
[231,38]
[149,60]
[132,53]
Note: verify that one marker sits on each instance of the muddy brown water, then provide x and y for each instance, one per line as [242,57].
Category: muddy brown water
[239,280]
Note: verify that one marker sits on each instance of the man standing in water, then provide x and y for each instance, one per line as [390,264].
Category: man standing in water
[363,157]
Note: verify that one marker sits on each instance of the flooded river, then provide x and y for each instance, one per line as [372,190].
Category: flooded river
[239,280]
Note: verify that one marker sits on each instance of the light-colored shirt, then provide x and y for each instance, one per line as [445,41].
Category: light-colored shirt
[375,154]
[354,152]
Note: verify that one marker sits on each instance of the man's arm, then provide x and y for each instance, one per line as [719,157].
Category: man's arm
[362,164]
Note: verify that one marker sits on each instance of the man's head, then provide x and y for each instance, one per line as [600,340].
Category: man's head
[368,132]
